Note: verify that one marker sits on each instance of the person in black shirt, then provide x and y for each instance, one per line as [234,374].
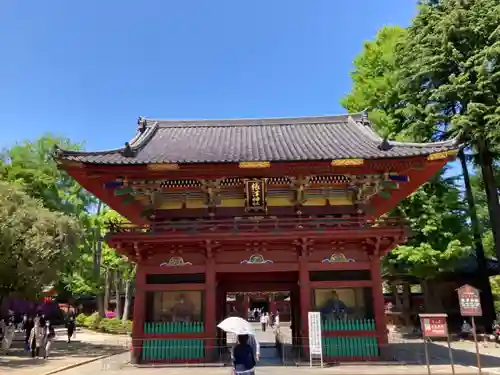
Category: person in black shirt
[243,356]
[70,326]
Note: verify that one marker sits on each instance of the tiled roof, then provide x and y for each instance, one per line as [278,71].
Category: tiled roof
[282,139]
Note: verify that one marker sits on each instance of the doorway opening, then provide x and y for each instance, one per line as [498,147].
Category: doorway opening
[253,294]
[259,303]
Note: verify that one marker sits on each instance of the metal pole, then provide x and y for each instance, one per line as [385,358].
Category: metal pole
[427,356]
[478,356]
[451,356]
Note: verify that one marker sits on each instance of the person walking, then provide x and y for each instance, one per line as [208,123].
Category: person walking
[28,325]
[70,327]
[35,338]
[263,322]
[48,337]
[277,320]
[496,332]
[8,337]
[243,357]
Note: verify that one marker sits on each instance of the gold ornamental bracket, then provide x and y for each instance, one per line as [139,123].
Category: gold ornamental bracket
[442,155]
[347,162]
[254,164]
[256,194]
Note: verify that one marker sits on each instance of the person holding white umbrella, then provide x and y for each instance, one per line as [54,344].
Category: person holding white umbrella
[247,352]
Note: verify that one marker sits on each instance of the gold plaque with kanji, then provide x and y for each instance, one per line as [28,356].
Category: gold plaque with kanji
[255,191]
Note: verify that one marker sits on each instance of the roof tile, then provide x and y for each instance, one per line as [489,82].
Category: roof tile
[228,141]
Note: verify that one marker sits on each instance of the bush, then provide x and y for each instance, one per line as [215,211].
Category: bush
[113,326]
[95,322]
[80,319]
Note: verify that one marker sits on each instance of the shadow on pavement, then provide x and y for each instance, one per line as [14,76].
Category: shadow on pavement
[414,353]
[18,357]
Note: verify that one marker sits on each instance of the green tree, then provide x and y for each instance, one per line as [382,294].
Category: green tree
[34,242]
[449,82]
[31,164]
[440,235]
[374,78]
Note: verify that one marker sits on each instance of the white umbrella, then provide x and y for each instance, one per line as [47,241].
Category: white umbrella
[236,325]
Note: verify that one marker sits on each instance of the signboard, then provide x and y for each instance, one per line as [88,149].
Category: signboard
[469,300]
[315,347]
[434,325]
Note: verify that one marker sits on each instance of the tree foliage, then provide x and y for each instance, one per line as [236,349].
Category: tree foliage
[31,166]
[374,78]
[436,212]
[34,242]
[440,234]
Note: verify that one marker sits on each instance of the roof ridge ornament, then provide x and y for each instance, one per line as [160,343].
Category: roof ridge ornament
[142,124]
[364,117]
[385,145]
[127,151]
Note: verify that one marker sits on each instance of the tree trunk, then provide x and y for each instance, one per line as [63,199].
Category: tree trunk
[427,295]
[482,272]
[126,305]
[106,290]
[395,294]
[407,304]
[101,303]
[118,294]
[486,163]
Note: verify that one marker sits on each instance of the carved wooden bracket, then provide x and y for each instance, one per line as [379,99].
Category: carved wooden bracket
[211,188]
[138,253]
[304,246]
[300,185]
[211,247]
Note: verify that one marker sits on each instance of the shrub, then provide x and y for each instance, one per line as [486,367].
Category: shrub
[80,319]
[107,325]
[93,321]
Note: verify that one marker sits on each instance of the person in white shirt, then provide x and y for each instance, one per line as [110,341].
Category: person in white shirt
[277,320]
[263,322]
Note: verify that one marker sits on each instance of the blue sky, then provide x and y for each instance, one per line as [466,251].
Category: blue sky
[88,69]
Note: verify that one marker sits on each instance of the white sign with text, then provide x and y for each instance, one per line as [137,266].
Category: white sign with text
[315,339]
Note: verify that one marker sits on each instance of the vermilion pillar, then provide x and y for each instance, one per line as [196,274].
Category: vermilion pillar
[246,305]
[378,302]
[305,302]
[139,314]
[210,309]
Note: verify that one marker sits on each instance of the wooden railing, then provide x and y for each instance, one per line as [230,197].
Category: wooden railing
[257,224]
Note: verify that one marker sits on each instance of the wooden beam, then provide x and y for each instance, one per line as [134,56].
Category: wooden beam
[207,171]
[231,237]
[257,268]
[345,266]
[341,284]
[173,287]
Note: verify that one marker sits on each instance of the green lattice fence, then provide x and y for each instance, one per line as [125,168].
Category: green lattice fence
[173,327]
[346,346]
[176,350]
[172,350]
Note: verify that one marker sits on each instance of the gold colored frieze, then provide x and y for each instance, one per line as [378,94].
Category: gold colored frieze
[254,164]
[442,155]
[347,162]
[163,167]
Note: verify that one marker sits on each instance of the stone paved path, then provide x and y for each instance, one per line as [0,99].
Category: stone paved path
[86,346]
[115,366]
